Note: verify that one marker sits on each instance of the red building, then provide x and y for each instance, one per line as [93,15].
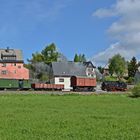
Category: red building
[12,65]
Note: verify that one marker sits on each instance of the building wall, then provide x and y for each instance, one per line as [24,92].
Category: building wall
[63,80]
[90,72]
[13,71]
[137,77]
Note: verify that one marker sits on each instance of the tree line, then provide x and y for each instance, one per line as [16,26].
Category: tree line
[118,66]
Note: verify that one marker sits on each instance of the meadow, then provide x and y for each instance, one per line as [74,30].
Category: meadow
[69,117]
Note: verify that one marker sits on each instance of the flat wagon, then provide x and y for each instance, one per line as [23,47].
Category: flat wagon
[43,86]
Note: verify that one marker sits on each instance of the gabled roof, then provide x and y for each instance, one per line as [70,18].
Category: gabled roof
[106,66]
[68,69]
[89,64]
[11,53]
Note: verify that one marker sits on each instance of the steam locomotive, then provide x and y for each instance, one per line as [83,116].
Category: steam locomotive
[114,86]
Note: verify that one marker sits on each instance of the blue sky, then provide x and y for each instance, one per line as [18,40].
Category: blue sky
[75,26]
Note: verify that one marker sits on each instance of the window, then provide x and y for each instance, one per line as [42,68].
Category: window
[19,67]
[3,72]
[8,56]
[4,65]
[15,71]
[61,79]
[14,64]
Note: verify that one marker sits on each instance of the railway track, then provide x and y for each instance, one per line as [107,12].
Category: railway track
[58,92]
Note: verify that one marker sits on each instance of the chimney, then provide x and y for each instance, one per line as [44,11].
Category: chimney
[7,49]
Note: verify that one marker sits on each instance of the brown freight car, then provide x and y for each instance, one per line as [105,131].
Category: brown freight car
[43,86]
[83,83]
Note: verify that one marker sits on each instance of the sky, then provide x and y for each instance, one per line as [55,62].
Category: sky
[97,28]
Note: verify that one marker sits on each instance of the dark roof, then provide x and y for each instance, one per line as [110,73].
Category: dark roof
[68,69]
[11,53]
[89,64]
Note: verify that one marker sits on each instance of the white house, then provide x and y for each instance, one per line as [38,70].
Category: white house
[62,72]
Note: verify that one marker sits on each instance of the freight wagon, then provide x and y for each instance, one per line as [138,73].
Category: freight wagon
[83,83]
[43,86]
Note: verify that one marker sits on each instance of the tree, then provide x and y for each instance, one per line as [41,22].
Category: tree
[79,58]
[76,58]
[132,67]
[101,69]
[83,58]
[39,63]
[117,65]
[37,57]
[50,53]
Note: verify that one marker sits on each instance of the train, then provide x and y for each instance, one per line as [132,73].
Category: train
[113,86]
[77,83]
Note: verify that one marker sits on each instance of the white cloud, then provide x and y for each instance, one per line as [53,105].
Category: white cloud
[104,13]
[125,30]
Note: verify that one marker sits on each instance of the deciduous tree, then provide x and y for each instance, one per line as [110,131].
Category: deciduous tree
[117,65]
[50,53]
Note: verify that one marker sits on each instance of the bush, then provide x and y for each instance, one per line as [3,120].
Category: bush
[110,78]
[130,80]
[136,91]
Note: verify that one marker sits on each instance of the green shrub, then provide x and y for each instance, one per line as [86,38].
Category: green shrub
[136,91]
[130,80]
[110,78]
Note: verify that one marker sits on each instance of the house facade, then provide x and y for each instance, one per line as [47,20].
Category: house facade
[63,71]
[12,65]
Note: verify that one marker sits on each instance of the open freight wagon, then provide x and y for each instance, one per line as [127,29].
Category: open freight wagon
[83,83]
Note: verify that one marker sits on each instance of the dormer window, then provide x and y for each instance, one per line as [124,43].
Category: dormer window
[8,57]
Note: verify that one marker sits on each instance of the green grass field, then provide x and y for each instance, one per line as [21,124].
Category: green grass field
[69,117]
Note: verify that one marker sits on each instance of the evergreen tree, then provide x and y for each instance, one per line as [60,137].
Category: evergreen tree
[101,69]
[76,58]
[83,58]
[132,67]
[79,58]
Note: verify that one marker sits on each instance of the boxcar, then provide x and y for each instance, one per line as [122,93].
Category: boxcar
[83,83]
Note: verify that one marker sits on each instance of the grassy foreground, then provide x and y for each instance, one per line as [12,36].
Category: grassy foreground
[69,117]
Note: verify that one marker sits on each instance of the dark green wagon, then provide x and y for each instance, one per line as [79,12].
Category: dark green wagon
[14,84]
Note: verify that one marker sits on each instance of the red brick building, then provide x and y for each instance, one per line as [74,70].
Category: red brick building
[12,65]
